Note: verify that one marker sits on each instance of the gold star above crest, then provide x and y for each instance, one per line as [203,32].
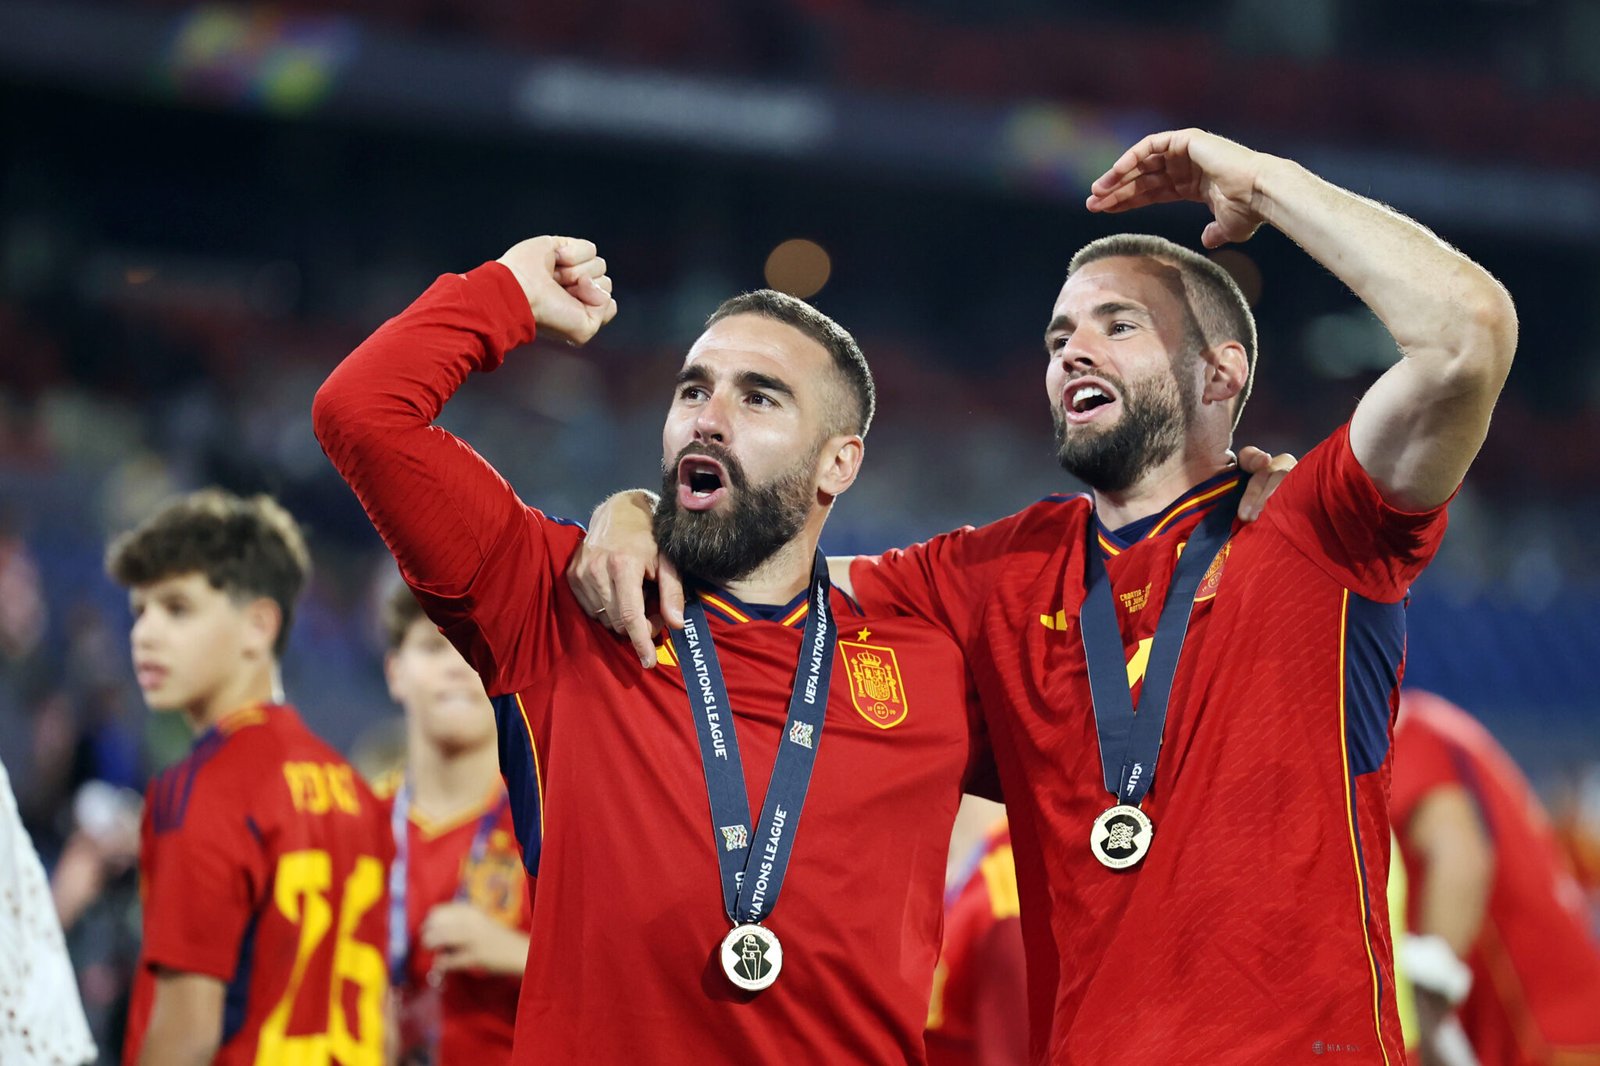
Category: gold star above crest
[864,634]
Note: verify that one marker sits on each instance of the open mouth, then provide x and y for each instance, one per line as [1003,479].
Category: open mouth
[702,482]
[1085,398]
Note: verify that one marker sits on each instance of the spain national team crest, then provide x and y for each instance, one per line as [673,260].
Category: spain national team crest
[1213,579]
[876,689]
[494,883]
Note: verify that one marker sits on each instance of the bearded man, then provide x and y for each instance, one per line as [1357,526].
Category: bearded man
[820,944]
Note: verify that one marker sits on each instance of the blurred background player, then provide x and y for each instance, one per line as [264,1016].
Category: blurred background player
[979,1012]
[1498,926]
[262,852]
[458,897]
[1447,1044]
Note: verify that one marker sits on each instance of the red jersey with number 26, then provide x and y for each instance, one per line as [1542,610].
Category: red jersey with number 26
[1254,930]
[262,863]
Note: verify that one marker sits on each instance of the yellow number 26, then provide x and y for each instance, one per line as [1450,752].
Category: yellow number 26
[300,891]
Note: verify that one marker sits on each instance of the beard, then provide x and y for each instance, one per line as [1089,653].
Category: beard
[1155,420]
[728,543]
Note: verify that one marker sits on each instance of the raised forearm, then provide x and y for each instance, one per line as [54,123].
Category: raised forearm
[1419,426]
[1435,301]
[436,504]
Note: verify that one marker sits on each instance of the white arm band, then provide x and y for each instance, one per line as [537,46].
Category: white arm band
[1430,964]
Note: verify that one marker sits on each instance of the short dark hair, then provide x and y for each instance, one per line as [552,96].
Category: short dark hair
[1217,308]
[400,610]
[846,353]
[246,548]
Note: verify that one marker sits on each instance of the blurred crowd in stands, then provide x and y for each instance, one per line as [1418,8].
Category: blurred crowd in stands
[1508,80]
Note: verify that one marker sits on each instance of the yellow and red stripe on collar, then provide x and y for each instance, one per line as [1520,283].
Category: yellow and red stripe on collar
[1204,493]
[1190,505]
[732,611]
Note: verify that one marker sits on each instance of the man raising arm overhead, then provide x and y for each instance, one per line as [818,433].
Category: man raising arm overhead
[740,854]
[1191,717]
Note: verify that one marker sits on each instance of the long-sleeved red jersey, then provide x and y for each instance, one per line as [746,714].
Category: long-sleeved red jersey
[601,762]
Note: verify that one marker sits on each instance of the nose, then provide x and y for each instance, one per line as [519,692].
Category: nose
[1080,351]
[143,631]
[711,422]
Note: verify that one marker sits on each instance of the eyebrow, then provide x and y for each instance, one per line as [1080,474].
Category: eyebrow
[692,373]
[745,379]
[752,379]
[1109,309]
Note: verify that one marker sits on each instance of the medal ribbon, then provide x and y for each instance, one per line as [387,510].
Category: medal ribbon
[1129,742]
[399,942]
[753,867]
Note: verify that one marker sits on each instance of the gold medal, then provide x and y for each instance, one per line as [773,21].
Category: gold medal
[1121,836]
[751,956]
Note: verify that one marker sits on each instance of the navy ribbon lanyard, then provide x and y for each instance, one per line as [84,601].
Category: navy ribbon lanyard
[753,867]
[1129,742]
[399,828]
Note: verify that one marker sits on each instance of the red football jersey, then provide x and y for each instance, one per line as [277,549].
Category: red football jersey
[602,763]
[262,862]
[1535,997]
[979,1013]
[1254,930]
[472,1016]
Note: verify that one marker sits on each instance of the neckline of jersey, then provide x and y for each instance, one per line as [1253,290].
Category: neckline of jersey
[723,606]
[1191,503]
[233,721]
[434,828]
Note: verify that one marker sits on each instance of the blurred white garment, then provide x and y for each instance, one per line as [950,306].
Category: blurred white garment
[41,1016]
[1451,1046]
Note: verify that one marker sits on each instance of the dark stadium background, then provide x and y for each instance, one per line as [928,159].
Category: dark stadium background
[202,208]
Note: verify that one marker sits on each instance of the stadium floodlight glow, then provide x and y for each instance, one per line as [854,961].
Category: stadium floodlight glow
[798,267]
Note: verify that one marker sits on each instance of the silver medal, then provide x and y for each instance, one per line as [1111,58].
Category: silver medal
[1121,836]
[751,956]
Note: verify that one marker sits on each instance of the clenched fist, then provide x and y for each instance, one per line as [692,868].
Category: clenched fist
[565,282]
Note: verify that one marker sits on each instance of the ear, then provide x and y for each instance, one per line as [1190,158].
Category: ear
[1226,367]
[838,465]
[263,620]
